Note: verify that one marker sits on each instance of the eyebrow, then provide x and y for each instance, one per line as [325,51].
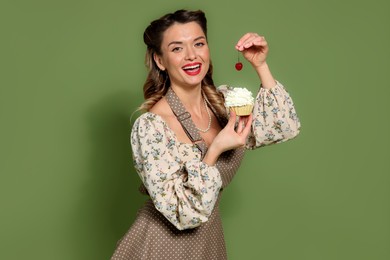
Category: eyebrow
[178,42]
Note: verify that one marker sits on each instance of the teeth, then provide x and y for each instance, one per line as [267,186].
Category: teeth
[192,67]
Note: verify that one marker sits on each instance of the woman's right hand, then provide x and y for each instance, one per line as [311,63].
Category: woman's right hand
[229,137]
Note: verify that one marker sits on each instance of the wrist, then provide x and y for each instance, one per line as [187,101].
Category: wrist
[211,156]
[265,75]
[263,66]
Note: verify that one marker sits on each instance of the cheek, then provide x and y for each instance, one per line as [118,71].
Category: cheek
[175,61]
[206,69]
[206,56]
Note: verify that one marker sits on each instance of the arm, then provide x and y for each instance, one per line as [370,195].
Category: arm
[255,49]
[183,189]
[274,118]
[274,115]
[230,137]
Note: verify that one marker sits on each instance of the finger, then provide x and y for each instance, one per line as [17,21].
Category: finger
[249,37]
[254,41]
[243,39]
[248,126]
[245,118]
[232,119]
[243,122]
[256,44]
[260,41]
[241,125]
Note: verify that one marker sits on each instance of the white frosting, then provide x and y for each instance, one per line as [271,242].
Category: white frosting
[238,97]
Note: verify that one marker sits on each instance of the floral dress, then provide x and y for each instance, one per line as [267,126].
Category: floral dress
[181,220]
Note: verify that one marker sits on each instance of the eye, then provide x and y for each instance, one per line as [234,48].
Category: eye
[176,49]
[199,44]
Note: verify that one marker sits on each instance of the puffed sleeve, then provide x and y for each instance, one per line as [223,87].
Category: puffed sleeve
[274,118]
[184,191]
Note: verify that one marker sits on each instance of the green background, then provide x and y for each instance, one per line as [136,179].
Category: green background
[72,74]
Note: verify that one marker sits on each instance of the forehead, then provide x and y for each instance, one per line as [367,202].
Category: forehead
[182,32]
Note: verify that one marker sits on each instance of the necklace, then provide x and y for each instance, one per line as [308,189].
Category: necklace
[208,112]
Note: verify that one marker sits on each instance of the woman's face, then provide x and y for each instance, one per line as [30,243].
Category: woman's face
[185,54]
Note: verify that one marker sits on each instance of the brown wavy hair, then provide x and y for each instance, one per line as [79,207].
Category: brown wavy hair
[157,81]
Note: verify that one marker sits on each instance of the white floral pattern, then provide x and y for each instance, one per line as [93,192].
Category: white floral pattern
[182,187]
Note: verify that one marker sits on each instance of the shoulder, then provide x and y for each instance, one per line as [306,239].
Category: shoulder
[156,117]
[163,109]
[165,113]
[146,123]
[161,117]
[152,125]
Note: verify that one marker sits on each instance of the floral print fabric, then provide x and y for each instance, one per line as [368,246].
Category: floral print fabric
[181,186]
[274,118]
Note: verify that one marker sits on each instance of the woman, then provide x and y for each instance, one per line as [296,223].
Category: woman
[185,147]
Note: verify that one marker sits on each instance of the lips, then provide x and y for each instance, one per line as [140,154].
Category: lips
[192,69]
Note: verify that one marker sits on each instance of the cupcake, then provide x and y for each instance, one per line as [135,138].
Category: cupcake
[240,100]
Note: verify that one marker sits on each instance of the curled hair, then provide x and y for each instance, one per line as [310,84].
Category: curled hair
[157,81]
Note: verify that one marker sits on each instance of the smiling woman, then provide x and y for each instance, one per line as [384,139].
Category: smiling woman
[185,55]
[186,155]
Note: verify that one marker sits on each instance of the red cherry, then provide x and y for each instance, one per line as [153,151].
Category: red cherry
[239,66]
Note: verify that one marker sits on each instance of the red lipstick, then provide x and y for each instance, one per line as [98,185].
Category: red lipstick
[192,69]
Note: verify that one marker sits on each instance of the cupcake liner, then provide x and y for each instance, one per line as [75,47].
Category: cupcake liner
[242,110]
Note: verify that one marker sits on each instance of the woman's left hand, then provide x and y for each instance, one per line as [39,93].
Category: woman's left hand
[254,48]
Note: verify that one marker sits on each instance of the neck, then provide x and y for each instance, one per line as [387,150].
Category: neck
[191,98]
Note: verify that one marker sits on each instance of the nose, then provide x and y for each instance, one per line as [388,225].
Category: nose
[191,53]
